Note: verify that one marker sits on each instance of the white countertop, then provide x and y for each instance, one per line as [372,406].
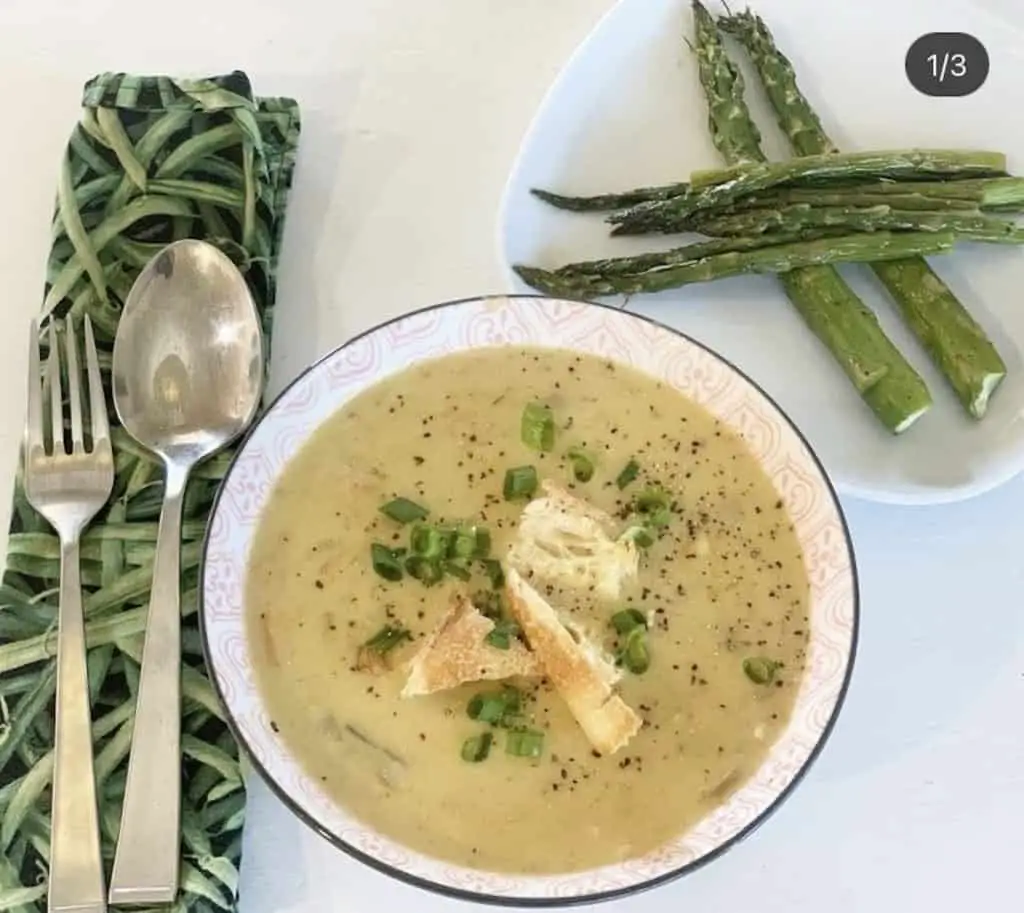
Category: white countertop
[413,112]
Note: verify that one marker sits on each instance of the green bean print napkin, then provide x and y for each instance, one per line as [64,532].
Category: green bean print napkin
[152,160]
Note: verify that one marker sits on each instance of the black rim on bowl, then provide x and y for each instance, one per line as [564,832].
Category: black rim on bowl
[520,901]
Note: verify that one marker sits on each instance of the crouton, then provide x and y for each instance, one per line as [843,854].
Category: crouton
[457,652]
[567,541]
[576,668]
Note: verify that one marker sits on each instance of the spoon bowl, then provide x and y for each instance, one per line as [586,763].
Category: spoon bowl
[187,379]
[188,357]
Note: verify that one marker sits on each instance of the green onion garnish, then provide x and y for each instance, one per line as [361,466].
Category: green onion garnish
[520,483]
[635,655]
[582,464]
[385,562]
[494,571]
[652,499]
[430,541]
[537,427]
[387,638]
[495,707]
[457,568]
[502,634]
[513,699]
[471,542]
[525,743]
[403,511]
[641,535]
[659,518]
[629,473]
[760,670]
[426,570]
[655,506]
[372,655]
[627,619]
[486,708]
[477,748]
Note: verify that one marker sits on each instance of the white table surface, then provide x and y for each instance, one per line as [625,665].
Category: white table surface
[413,112]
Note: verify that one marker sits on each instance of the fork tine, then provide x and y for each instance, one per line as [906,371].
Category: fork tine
[34,416]
[97,402]
[74,386]
[56,396]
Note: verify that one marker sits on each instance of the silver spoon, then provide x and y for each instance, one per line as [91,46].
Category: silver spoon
[187,378]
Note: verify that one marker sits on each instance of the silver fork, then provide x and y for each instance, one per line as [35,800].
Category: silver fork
[68,489]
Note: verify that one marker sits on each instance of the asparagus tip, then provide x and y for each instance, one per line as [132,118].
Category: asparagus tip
[546,195]
[532,275]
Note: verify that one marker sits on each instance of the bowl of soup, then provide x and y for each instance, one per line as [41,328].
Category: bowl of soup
[531,601]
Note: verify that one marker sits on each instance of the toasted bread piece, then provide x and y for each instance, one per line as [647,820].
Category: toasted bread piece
[456,652]
[568,541]
[580,674]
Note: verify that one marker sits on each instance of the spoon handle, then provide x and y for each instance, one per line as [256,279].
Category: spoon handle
[146,860]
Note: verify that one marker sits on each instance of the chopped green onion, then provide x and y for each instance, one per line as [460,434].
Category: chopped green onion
[385,562]
[537,427]
[525,743]
[655,506]
[627,619]
[502,634]
[427,571]
[477,748]
[760,670]
[430,541]
[641,535]
[635,655]
[457,568]
[372,655]
[582,464]
[387,638]
[659,518]
[494,571]
[652,499]
[495,707]
[403,511]
[486,708]
[520,483]
[629,473]
[471,542]
[513,699]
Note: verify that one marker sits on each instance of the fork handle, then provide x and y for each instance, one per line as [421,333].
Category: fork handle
[76,867]
[147,856]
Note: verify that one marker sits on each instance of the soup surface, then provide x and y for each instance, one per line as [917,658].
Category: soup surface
[723,587]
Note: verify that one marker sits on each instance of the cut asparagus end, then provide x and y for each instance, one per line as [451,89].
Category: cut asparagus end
[1003,193]
[989,383]
[910,419]
[954,340]
[886,381]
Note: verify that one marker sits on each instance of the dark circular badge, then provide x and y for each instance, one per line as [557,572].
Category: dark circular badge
[947,64]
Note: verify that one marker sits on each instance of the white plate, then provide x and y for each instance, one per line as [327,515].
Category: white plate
[676,361]
[627,111]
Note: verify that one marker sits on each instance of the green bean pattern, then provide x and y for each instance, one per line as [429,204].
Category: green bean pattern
[153,160]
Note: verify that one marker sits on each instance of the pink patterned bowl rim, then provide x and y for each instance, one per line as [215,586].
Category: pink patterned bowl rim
[664,353]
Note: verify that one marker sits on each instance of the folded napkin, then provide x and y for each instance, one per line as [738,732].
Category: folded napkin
[152,160]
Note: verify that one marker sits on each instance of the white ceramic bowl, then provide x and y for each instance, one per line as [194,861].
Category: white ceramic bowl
[657,350]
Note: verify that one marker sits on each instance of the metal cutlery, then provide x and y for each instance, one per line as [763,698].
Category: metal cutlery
[68,485]
[187,379]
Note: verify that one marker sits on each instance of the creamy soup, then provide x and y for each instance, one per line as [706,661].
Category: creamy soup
[721,583]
